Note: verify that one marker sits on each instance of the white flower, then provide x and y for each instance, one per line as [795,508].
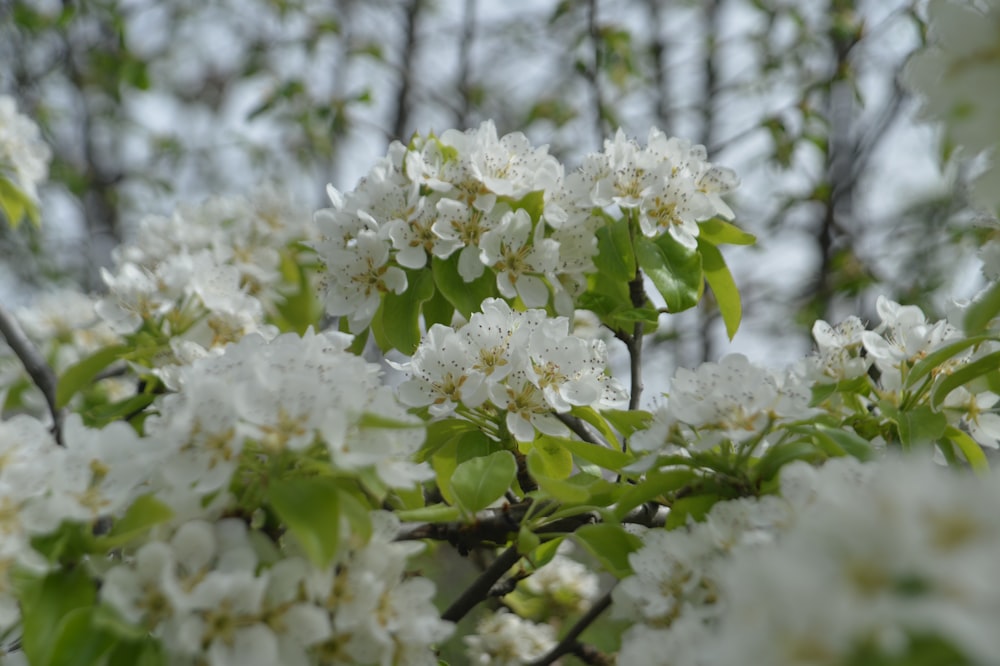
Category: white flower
[505,639]
[506,249]
[463,224]
[441,374]
[956,73]
[566,583]
[733,399]
[358,278]
[903,337]
[24,157]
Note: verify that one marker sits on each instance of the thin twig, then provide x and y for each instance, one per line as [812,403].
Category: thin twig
[637,292]
[480,588]
[569,643]
[39,371]
[579,428]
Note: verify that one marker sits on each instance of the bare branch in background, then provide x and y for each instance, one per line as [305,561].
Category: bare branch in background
[463,113]
[407,60]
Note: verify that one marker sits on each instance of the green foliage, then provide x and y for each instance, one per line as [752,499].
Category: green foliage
[478,482]
[610,544]
[16,205]
[675,270]
[310,508]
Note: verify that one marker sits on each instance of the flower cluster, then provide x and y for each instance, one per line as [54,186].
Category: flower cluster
[956,78]
[292,394]
[204,590]
[523,363]
[861,561]
[506,639]
[853,368]
[24,157]
[206,275]
[669,182]
[502,204]
[97,474]
[732,400]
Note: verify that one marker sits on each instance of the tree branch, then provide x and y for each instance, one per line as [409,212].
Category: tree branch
[579,428]
[407,58]
[497,525]
[637,292]
[569,644]
[39,371]
[480,588]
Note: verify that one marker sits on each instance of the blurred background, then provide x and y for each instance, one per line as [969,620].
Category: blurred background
[149,103]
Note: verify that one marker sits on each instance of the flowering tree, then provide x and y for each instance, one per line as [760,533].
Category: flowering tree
[206,469]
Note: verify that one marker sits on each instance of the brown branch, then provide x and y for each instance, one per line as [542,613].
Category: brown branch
[579,428]
[480,588]
[569,643]
[637,292]
[39,371]
[496,526]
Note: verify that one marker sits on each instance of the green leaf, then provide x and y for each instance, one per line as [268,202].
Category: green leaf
[45,605]
[970,448]
[858,385]
[727,296]
[355,506]
[437,310]
[674,270]
[527,541]
[628,421]
[989,364]
[982,310]
[695,507]
[720,232]
[68,544]
[550,457]
[440,433]
[611,545]
[310,508]
[599,455]
[927,364]
[300,309]
[478,482]
[78,642]
[145,512]
[464,446]
[465,296]
[533,203]
[567,491]
[80,374]
[852,444]
[596,419]
[778,456]
[918,425]
[16,204]
[399,314]
[145,653]
[615,258]
[435,513]
[101,415]
[655,484]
